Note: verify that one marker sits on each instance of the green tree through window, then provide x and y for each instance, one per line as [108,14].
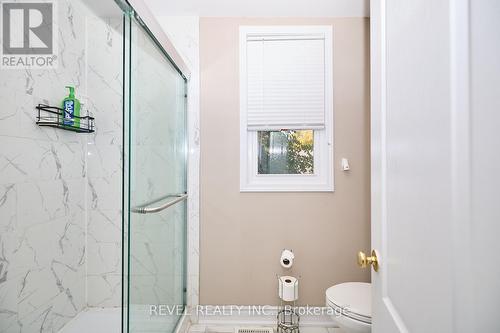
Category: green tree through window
[286,152]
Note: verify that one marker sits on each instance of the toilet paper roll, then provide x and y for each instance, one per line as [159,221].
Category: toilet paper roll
[288,288]
[286,259]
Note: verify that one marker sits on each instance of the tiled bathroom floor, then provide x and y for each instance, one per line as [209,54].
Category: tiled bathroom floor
[108,320]
[231,329]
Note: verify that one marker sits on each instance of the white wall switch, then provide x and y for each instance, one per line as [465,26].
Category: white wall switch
[345,164]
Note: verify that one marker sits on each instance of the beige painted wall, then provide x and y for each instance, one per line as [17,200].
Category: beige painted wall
[242,234]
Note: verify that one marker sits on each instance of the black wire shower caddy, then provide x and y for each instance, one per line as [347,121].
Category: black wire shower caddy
[53,116]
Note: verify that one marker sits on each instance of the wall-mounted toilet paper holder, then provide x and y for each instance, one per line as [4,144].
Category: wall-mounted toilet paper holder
[286,259]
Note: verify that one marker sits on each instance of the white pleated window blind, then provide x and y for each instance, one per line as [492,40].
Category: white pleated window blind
[285,82]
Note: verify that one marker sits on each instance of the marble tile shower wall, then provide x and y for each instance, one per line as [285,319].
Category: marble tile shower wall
[104,163]
[60,192]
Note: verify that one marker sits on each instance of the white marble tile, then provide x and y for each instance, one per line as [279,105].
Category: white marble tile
[104,225]
[8,111]
[23,160]
[104,290]
[104,95]
[103,98]
[8,303]
[194,168]
[51,316]
[61,240]
[38,202]
[104,38]
[38,287]
[104,161]
[103,258]
[44,194]
[104,193]
[53,272]
[8,206]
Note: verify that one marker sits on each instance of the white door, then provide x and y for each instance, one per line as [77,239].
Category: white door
[436,165]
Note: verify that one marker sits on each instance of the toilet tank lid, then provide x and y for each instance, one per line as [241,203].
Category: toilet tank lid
[356,296]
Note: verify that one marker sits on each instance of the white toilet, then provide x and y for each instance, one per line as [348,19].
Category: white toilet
[352,306]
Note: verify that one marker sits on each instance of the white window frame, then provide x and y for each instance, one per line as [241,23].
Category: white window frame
[323,178]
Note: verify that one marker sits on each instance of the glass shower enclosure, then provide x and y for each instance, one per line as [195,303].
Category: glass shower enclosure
[155,183]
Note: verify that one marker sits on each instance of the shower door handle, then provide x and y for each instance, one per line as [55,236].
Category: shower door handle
[148,210]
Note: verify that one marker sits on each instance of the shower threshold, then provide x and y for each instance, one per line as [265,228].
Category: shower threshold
[95,320]
[108,320]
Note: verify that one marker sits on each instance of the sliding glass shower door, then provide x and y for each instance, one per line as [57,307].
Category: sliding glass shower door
[156,184]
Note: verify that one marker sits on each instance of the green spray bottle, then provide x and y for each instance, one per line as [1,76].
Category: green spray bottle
[71,109]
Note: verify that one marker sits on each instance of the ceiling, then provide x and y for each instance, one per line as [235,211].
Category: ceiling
[261,8]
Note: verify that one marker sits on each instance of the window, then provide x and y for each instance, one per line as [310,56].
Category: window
[286,108]
[286,152]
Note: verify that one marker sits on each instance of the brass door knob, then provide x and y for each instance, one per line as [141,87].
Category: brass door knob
[364,261]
